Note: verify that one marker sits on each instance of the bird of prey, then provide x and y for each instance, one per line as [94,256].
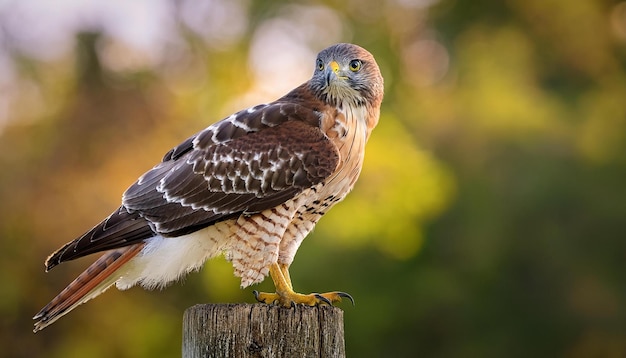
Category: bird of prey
[250,187]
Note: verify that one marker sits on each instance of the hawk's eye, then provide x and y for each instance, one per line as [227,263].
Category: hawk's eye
[355,65]
[320,65]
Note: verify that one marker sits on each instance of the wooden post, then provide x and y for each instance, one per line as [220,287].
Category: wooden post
[260,330]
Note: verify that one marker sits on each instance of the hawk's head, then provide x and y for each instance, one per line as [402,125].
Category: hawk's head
[347,74]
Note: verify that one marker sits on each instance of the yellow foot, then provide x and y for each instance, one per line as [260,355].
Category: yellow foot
[290,298]
[285,296]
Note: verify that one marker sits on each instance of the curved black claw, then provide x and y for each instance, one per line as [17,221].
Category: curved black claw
[346,295]
[323,299]
[268,298]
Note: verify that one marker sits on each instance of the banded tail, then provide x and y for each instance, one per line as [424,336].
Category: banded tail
[98,277]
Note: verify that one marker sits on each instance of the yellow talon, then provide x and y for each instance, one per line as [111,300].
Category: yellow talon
[285,295]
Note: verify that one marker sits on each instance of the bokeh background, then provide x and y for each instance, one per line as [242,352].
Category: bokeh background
[490,218]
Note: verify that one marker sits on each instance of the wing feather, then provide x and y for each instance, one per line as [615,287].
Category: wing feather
[246,174]
[251,161]
[119,229]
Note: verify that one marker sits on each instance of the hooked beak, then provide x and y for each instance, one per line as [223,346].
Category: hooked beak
[334,71]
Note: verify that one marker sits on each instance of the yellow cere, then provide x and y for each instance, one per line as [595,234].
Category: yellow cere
[334,66]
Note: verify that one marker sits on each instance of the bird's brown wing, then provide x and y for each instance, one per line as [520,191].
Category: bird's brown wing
[249,162]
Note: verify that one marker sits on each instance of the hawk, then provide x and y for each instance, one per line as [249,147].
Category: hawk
[250,187]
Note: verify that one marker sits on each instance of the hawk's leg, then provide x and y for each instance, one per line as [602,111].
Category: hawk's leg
[284,269]
[285,295]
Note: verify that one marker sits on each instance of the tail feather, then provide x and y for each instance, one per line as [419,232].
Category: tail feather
[98,277]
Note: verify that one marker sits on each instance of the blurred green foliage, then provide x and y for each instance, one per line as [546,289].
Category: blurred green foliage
[489,221]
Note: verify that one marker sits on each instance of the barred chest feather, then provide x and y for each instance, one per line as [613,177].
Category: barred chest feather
[351,145]
[313,203]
